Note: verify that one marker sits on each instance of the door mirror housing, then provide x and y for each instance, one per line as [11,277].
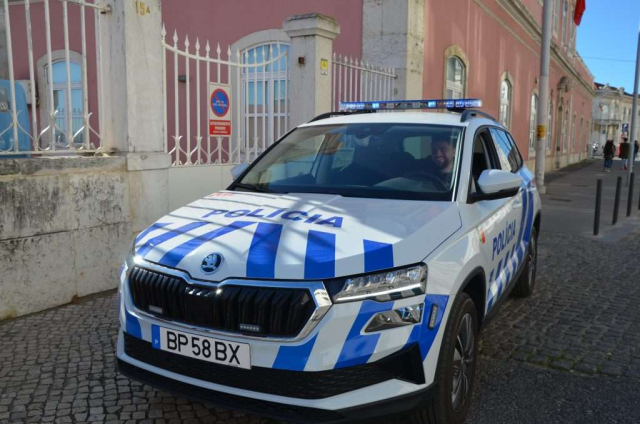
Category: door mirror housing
[497,184]
[237,170]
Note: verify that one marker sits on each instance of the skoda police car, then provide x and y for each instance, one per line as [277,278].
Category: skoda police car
[344,275]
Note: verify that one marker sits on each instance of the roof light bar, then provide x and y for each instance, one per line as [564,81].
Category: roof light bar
[412,104]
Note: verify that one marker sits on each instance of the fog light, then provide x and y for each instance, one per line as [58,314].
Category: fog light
[400,317]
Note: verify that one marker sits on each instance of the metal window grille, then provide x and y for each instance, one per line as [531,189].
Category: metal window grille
[355,80]
[59,124]
[258,116]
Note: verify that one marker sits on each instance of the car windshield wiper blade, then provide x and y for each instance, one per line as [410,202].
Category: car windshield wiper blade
[252,187]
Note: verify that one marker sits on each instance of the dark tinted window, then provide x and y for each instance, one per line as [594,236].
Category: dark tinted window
[508,155]
[379,160]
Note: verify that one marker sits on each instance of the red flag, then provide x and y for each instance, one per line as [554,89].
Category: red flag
[580,7]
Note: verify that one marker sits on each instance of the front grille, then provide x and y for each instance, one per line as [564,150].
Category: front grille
[257,311]
[405,365]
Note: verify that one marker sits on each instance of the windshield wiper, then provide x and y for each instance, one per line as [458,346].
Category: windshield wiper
[252,187]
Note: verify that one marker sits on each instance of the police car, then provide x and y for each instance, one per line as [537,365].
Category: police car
[344,275]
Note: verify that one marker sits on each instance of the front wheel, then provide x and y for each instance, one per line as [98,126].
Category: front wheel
[456,367]
[527,281]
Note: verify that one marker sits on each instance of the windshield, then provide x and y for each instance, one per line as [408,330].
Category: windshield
[399,161]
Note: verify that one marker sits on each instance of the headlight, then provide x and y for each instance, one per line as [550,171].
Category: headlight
[382,286]
[129,260]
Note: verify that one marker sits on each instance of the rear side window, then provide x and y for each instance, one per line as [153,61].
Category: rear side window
[508,154]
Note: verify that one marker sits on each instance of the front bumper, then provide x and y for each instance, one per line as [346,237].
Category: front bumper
[281,411]
[336,373]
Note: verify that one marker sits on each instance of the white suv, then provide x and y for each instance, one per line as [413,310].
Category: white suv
[344,275]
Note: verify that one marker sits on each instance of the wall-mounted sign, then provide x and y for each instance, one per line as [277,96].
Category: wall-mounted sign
[219,109]
[324,66]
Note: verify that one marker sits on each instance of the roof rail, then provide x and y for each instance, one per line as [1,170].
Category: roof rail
[467,114]
[340,113]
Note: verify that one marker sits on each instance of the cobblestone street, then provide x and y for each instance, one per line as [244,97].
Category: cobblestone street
[568,354]
[58,366]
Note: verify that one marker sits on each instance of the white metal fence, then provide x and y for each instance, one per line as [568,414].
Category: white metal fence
[59,120]
[259,100]
[355,81]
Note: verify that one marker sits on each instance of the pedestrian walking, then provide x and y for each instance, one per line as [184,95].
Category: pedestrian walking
[635,149]
[608,151]
[624,153]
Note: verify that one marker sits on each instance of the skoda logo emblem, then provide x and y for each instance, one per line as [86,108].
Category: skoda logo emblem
[211,263]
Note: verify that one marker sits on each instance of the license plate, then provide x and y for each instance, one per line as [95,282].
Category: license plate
[204,348]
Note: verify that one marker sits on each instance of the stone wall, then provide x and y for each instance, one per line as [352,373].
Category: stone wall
[65,226]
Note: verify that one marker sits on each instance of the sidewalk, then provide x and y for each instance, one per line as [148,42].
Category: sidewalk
[569,204]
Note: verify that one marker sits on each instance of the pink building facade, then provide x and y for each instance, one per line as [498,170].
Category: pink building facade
[456,48]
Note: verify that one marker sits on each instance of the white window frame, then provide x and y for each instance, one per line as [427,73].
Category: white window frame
[45,93]
[565,12]
[554,18]
[533,117]
[505,104]
[550,126]
[452,85]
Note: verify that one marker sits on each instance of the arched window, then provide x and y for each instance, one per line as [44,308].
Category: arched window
[563,129]
[573,132]
[533,117]
[565,22]
[505,103]
[265,93]
[456,76]
[68,104]
[550,120]
[554,17]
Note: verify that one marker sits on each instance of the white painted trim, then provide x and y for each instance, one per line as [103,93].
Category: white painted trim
[260,37]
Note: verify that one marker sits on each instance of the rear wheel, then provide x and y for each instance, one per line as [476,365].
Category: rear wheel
[527,281]
[456,367]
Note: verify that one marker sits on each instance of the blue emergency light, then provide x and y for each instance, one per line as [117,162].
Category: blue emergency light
[411,104]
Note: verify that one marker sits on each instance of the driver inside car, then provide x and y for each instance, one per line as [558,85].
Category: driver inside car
[441,162]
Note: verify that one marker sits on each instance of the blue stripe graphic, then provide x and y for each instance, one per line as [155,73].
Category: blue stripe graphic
[428,336]
[358,348]
[320,259]
[175,255]
[377,255]
[294,358]
[527,232]
[150,244]
[155,336]
[151,228]
[132,326]
[525,206]
[414,336]
[261,262]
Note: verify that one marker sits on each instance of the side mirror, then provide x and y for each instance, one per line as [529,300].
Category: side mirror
[237,170]
[497,184]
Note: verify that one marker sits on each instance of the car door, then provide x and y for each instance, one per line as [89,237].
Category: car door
[507,234]
[498,219]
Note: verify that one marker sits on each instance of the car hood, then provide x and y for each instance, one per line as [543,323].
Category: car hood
[295,236]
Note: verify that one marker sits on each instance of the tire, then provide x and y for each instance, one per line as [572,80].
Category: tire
[442,409]
[527,281]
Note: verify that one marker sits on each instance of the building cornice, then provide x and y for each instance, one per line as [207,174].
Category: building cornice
[518,12]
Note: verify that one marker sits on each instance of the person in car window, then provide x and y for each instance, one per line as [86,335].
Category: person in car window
[443,154]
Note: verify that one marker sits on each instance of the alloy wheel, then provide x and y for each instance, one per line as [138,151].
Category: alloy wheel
[462,363]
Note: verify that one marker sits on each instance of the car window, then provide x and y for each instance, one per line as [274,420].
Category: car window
[516,151]
[508,154]
[385,160]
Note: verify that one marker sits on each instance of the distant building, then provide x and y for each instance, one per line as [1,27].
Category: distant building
[612,115]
